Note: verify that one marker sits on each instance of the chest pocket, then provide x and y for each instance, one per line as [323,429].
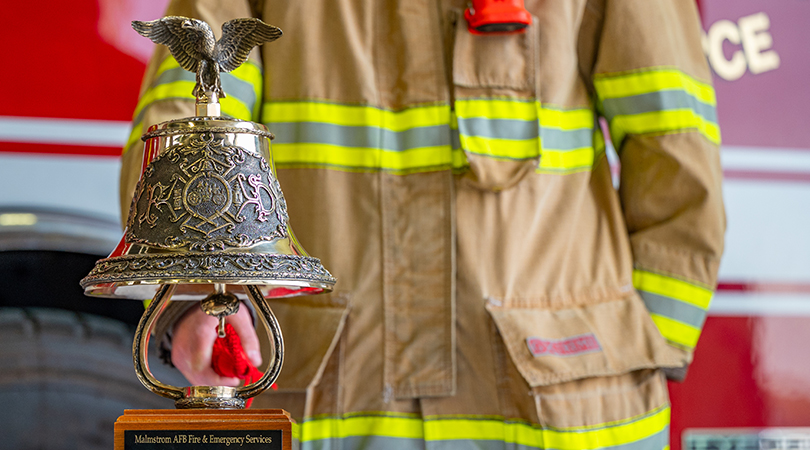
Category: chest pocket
[495,103]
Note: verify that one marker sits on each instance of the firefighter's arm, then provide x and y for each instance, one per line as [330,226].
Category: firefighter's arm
[185,333]
[652,83]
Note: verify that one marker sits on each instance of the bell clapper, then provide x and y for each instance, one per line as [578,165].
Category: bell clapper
[221,327]
[220,304]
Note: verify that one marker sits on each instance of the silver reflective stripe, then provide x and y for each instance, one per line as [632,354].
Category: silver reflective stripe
[455,138]
[498,128]
[553,138]
[365,443]
[464,444]
[556,139]
[675,309]
[233,86]
[658,101]
[172,75]
[360,136]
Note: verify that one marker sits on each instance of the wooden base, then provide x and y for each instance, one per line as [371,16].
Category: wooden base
[160,429]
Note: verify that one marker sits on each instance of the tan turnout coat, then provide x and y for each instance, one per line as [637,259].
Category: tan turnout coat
[493,285]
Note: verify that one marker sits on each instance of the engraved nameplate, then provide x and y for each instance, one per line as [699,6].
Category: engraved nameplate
[205,429]
[202,439]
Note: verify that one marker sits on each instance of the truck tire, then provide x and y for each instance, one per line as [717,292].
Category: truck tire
[65,377]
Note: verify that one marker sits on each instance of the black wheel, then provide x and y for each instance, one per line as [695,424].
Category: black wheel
[65,377]
[50,279]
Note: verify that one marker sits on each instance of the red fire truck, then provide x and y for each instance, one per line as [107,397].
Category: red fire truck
[71,81]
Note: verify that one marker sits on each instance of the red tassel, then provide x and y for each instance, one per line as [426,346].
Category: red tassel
[230,360]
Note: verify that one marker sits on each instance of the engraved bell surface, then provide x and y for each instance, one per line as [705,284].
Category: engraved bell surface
[208,209]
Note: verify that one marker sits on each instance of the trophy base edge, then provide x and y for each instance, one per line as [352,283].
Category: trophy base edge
[148,429]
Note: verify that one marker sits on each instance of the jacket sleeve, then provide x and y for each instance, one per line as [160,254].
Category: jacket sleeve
[166,95]
[652,84]
[166,87]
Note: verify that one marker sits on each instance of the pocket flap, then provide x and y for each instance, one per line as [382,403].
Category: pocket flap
[311,328]
[602,339]
[495,60]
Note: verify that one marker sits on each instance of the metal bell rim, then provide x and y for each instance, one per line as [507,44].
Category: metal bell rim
[295,272]
[206,124]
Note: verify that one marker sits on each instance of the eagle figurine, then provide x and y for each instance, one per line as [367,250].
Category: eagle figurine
[193,45]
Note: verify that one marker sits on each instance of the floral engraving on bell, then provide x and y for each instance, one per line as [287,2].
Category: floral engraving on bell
[207,266]
[205,194]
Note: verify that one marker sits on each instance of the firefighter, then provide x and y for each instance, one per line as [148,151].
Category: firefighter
[494,288]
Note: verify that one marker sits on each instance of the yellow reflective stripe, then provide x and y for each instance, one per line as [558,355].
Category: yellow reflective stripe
[571,119]
[360,425]
[483,430]
[567,160]
[599,145]
[554,137]
[497,108]
[516,109]
[611,436]
[230,106]
[249,72]
[459,160]
[658,100]
[615,85]
[357,115]
[488,428]
[168,63]
[182,90]
[663,121]
[675,331]
[575,438]
[134,136]
[301,155]
[673,288]
[175,89]
[331,135]
[677,307]
[295,431]
[557,162]
[501,148]
[362,138]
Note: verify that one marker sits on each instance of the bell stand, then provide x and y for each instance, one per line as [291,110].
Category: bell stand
[206,397]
